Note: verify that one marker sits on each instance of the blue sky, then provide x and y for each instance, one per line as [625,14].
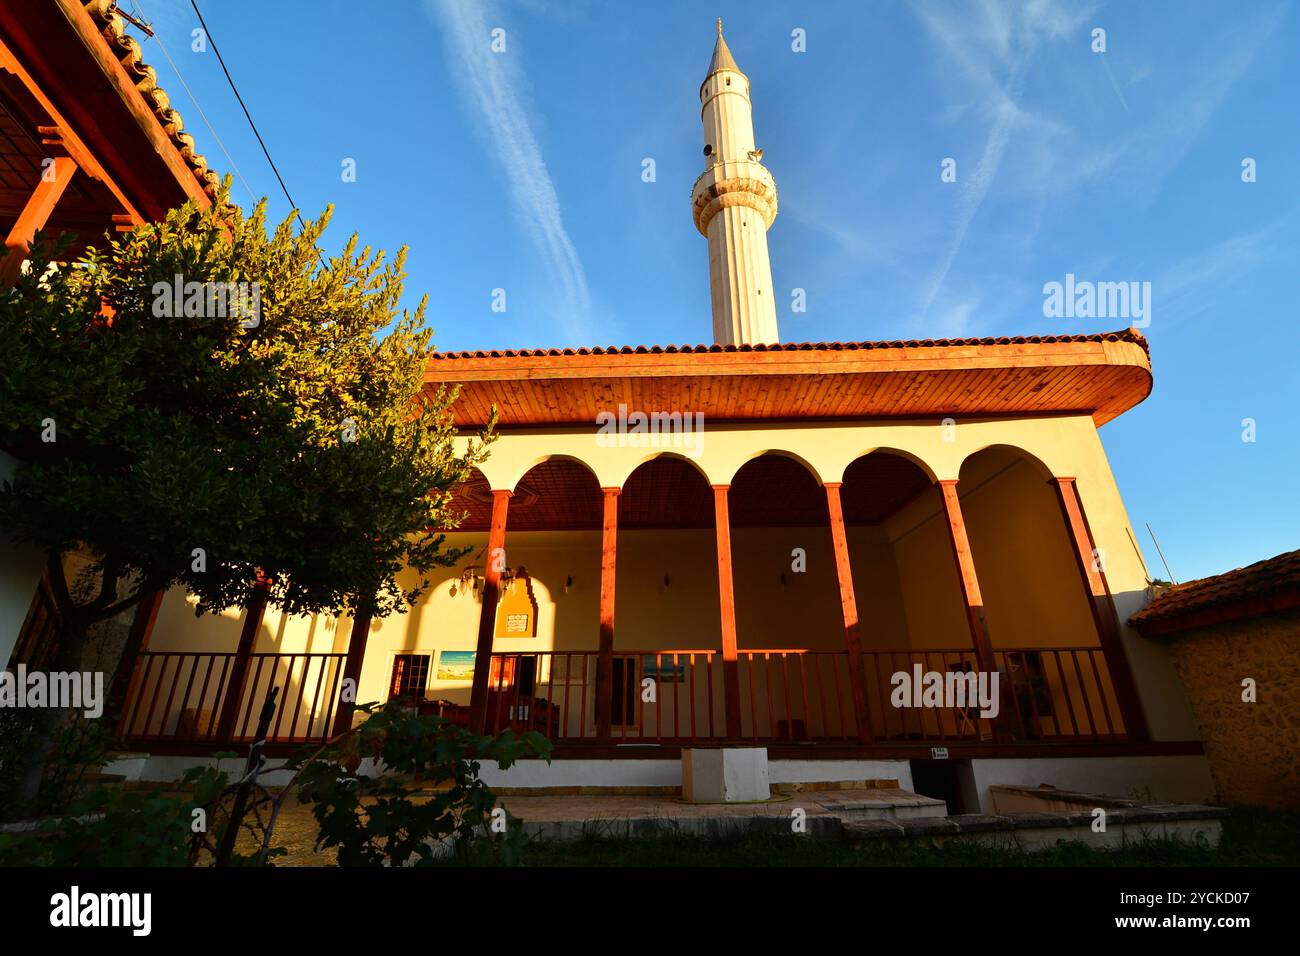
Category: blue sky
[523,171]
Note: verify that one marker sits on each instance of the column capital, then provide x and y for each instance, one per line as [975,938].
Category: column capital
[946,481]
[1061,479]
[508,492]
[610,490]
[832,484]
[720,487]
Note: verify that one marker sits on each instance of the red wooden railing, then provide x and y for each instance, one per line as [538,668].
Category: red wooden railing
[555,693]
[179,696]
[797,696]
[1045,694]
[659,697]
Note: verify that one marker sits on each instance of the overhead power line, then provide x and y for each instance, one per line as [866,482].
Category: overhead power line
[252,196]
[229,79]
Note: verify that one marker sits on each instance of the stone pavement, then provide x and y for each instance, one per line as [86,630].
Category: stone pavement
[567,817]
[866,814]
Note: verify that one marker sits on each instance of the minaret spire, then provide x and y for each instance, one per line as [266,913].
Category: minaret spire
[734,204]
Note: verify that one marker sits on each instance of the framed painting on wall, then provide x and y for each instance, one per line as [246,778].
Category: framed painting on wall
[456,665]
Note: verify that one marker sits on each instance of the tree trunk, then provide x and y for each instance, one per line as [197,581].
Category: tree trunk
[72,641]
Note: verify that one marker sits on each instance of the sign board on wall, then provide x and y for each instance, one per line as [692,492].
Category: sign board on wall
[517,608]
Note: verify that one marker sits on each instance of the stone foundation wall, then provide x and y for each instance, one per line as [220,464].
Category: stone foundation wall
[1252,748]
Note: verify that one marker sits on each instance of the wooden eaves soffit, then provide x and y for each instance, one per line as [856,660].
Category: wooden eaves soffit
[91,141]
[1101,375]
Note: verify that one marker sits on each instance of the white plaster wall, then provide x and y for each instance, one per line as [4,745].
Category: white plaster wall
[1176,779]
[20,573]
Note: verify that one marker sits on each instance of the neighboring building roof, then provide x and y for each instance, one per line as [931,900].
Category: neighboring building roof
[1101,374]
[1261,588]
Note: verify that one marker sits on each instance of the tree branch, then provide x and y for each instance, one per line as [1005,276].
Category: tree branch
[113,610]
[59,585]
[111,571]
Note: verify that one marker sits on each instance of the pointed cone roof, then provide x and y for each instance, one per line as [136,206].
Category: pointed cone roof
[722,58]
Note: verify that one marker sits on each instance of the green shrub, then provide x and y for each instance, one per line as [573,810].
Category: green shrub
[426,800]
[108,827]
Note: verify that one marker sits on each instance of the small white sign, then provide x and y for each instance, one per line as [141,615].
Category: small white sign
[939,753]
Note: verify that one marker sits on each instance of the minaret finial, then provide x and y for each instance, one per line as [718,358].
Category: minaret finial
[719,26]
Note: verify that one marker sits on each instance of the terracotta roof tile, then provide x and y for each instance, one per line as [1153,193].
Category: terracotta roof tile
[129,54]
[1124,335]
[1258,588]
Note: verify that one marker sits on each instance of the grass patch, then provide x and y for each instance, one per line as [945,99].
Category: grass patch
[1251,837]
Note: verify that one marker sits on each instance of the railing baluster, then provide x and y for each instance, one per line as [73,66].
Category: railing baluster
[165,657]
[708,673]
[146,667]
[1083,689]
[818,659]
[694,687]
[302,687]
[1065,688]
[220,695]
[659,697]
[770,730]
[189,685]
[515,713]
[241,728]
[339,666]
[582,716]
[200,734]
[325,663]
[283,700]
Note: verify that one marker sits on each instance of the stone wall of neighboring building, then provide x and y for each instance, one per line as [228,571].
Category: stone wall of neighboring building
[1252,748]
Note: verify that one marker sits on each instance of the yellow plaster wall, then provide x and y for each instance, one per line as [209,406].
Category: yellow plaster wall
[927,575]
[904,576]
[1028,576]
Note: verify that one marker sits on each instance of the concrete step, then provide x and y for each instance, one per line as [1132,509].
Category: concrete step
[891,804]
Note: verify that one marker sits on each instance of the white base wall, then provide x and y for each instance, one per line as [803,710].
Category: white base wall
[668,773]
[558,773]
[1184,779]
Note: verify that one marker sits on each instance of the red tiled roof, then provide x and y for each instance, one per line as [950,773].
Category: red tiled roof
[1264,586]
[129,53]
[1125,335]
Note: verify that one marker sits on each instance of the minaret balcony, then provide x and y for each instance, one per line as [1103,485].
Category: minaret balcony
[741,182]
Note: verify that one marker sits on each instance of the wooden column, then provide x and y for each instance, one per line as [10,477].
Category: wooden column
[352,667]
[239,669]
[849,609]
[727,605]
[137,640]
[1092,574]
[605,660]
[970,585]
[487,622]
[34,217]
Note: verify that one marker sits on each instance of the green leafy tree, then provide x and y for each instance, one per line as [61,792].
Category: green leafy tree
[426,804]
[122,828]
[183,441]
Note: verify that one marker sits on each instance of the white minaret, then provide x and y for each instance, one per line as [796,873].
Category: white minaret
[734,203]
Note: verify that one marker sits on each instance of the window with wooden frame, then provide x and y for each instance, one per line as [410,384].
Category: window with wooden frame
[409,677]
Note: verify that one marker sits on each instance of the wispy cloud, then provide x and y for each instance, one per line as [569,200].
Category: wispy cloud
[993,46]
[1200,282]
[491,83]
